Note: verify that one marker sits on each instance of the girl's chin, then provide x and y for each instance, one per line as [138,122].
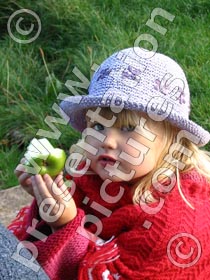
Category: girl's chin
[104,174]
[107,177]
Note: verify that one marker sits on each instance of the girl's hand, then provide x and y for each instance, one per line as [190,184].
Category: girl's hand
[24,177]
[56,205]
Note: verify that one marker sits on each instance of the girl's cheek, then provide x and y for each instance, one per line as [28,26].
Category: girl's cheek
[133,152]
[91,142]
[134,146]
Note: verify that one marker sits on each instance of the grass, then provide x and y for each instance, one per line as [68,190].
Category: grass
[80,33]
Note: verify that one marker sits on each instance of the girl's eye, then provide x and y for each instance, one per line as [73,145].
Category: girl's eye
[98,126]
[128,128]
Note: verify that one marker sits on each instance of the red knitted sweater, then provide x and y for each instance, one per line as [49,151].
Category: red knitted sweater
[162,243]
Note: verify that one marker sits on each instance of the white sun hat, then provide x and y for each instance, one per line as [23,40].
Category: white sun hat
[140,80]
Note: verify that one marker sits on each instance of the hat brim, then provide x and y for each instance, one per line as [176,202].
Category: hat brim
[75,107]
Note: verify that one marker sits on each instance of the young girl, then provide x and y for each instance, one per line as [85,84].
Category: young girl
[138,206]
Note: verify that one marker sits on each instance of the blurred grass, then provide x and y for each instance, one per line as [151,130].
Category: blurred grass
[80,33]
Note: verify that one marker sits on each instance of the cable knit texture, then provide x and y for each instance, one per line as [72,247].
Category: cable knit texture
[166,240]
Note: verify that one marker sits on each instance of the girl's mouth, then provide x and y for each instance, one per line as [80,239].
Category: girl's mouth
[105,159]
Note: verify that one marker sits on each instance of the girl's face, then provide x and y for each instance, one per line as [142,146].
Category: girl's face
[124,152]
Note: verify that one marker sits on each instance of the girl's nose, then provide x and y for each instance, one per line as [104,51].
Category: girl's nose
[110,142]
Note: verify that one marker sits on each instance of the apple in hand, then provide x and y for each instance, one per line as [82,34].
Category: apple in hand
[43,158]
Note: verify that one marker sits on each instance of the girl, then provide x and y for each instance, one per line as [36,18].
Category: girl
[138,206]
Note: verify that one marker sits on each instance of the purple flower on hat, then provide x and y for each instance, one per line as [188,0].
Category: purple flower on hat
[103,73]
[181,96]
[131,73]
[163,90]
[157,85]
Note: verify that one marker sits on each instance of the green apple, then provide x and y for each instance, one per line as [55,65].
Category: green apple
[43,158]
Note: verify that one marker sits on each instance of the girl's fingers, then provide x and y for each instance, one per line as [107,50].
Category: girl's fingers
[50,209]
[66,194]
[57,188]
[40,189]
[24,179]
[45,188]
[53,187]
[59,180]
[23,160]
[19,169]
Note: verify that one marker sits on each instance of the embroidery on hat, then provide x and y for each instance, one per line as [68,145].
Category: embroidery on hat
[131,73]
[177,93]
[103,73]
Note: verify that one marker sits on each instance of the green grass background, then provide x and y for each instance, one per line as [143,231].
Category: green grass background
[80,33]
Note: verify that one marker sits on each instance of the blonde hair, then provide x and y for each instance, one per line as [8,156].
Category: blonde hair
[199,160]
[169,158]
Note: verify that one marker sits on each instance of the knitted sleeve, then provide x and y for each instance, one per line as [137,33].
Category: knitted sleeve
[59,253]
